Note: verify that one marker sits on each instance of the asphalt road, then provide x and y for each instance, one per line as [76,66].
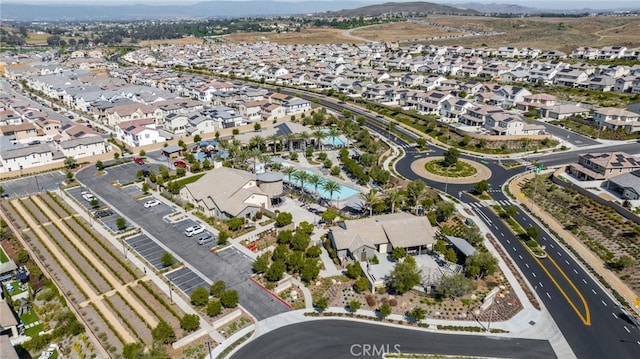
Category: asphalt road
[228,266]
[338,339]
[590,320]
[573,138]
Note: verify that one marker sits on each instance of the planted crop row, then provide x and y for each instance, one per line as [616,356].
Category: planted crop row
[122,319]
[159,299]
[105,247]
[54,198]
[113,271]
[53,256]
[107,323]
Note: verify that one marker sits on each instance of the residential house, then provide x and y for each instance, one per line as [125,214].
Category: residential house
[602,166]
[616,118]
[626,185]
[139,132]
[602,83]
[504,124]
[252,111]
[83,147]
[226,193]
[28,157]
[571,78]
[363,239]
[477,116]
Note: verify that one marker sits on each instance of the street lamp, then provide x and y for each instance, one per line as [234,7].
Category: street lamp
[170,294]
[446,183]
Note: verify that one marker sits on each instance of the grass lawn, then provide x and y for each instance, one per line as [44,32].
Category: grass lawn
[16,288]
[461,169]
[185,181]
[28,318]
[3,256]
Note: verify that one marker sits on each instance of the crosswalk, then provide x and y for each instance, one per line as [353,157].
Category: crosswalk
[487,203]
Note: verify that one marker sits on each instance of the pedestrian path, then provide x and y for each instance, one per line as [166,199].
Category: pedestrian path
[488,203]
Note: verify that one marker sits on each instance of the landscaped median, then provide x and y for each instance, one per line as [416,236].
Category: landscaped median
[528,235]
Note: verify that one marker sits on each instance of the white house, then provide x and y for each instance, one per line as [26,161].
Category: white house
[140,132]
[27,157]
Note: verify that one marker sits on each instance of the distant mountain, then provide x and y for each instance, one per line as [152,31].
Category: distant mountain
[420,7]
[502,8]
[208,9]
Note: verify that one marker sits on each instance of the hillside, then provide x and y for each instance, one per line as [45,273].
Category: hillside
[418,8]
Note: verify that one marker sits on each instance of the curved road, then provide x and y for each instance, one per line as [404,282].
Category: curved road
[333,338]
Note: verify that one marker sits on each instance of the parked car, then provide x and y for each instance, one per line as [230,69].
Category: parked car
[152,203]
[139,160]
[102,213]
[88,196]
[179,163]
[191,231]
[205,239]
[69,115]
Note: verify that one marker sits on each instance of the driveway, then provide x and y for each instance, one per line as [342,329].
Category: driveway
[229,265]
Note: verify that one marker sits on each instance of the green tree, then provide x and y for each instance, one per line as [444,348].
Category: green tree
[310,270]
[300,241]
[261,263]
[533,232]
[167,259]
[197,138]
[22,256]
[329,216]
[405,275]
[451,157]
[199,297]
[481,264]
[235,223]
[163,333]
[95,202]
[275,271]
[70,163]
[385,310]
[229,299]
[116,156]
[414,191]
[313,252]
[398,253]
[284,219]
[473,235]
[235,131]
[99,165]
[453,286]
[417,313]
[450,255]
[214,308]
[285,237]
[331,187]
[217,288]
[361,284]
[281,253]
[353,270]
[69,176]
[133,351]
[190,322]
[223,237]
[444,210]
[321,304]
[481,187]
[294,262]
[145,187]
[511,211]
[121,223]
[354,305]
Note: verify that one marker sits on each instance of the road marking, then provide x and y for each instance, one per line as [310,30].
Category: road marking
[502,234]
[584,280]
[594,292]
[544,238]
[541,284]
[586,319]
[534,275]
[520,256]
[560,255]
[508,241]
[548,295]
[527,265]
[514,248]
[614,315]
[627,329]
[551,245]
[603,303]
[566,261]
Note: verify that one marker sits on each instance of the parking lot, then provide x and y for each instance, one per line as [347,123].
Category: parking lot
[229,265]
[109,222]
[182,225]
[26,186]
[148,249]
[187,280]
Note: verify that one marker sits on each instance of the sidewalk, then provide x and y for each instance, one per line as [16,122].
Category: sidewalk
[585,253]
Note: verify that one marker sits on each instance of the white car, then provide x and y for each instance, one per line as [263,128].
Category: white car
[191,231]
[152,203]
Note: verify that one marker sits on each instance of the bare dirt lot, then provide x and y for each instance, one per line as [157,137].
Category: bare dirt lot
[563,34]
[400,31]
[305,36]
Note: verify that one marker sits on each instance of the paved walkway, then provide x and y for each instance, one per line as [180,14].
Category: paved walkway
[587,255]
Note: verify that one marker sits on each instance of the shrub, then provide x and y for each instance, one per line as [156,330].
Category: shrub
[371,300]
[190,322]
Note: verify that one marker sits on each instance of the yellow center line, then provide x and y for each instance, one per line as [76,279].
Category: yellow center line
[587,320]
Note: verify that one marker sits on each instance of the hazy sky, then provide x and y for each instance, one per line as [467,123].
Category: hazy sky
[543,4]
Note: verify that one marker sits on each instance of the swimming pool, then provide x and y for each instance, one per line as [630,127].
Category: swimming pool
[334,140]
[343,193]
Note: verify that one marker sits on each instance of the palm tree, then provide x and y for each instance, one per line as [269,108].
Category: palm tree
[290,137]
[332,187]
[256,155]
[394,197]
[318,135]
[302,177]
[273,140]
[289,171]
[370,199]
[333,134]
[316,181]
[304,136]
[257,141]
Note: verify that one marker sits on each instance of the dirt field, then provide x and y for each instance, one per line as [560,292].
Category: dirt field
[306,36]
[563,34]
[180,41]
[399,31]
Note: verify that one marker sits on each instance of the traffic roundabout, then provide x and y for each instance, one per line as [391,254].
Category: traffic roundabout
[464,172]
